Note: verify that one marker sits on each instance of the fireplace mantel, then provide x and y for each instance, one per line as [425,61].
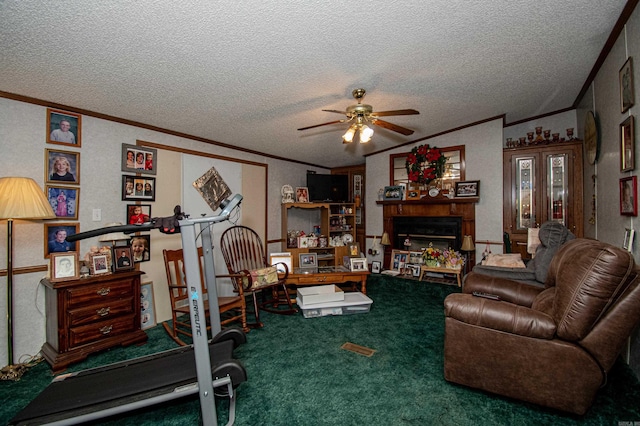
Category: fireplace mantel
[464,207]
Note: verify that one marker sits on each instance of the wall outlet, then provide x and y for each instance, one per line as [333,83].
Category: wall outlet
[97,215]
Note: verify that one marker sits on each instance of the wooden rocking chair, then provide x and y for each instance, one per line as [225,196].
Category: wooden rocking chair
[231,308]
[243,252]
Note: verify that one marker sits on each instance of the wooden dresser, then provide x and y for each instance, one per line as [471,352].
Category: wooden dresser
[89,315]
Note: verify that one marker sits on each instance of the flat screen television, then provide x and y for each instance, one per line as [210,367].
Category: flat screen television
[328,188]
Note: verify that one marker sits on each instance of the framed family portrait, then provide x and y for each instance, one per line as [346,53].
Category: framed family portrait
[63,127]
[627,145]
[393,193]
[137,214]
[138,159]
[64,201]
[62,166]
[302,194]
[138,188]
[308,260]
[122,258]
[628,196]
[358,264]
[627,96]
[55,237]
[469,188]
[63,266]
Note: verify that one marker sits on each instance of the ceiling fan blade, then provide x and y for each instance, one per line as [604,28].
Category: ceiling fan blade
[392,126]
[395,112]
[335,110]
[323,124]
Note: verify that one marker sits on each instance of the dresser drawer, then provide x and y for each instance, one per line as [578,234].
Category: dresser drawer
[96,293]
[102,329]
[104,310]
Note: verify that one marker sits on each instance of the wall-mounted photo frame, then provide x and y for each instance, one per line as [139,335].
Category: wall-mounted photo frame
[141,248]
[308,260]
[627,95]
[279,260]
[627,244]
[61,166]
[137,214]
[64,266]
[469,188]
[99,264]
[392,193]
[358,264]
[55,237]
[376,267]
[138,188]
[147,306]
[122,258]
[64,128]
[64,200]
[302,194]
[629,196]
[139,159]
[627,145]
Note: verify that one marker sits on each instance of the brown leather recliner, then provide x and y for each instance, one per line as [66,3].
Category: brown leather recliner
[550,346]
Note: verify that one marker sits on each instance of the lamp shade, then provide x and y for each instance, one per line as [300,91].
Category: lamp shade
[22,198]
[113,236]
[385,239]
[467,243]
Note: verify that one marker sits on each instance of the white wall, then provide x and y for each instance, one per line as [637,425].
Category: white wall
[483,158]
[23,136]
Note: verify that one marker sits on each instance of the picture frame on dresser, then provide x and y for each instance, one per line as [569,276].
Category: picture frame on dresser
[99,264]
[308,260]
[358,264]
[63,266]
[122,258]
[64,128]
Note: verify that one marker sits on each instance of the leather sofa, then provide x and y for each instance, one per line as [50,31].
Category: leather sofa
[551,346]
[552,236]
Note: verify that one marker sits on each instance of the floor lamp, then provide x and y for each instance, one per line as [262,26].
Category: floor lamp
[20,198]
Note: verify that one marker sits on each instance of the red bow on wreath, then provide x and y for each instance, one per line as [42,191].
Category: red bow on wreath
[425,164]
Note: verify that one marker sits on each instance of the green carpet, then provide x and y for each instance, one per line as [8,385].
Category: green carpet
[299,375]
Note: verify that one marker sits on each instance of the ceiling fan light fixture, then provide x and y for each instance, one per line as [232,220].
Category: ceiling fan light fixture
[348,136]
[365,134]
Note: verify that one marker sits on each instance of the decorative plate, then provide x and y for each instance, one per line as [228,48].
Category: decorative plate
[434,192]
[347,239]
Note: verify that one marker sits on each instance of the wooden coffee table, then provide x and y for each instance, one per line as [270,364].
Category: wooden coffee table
[339,275]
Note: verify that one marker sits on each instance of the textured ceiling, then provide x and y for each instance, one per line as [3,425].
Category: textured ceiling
[250,73]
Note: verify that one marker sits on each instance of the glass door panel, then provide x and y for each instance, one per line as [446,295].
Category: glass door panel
[525,193]
[558,188]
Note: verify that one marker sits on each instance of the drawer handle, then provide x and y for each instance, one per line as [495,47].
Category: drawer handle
[104,291]
[106,329]
[323,279]
[103,311]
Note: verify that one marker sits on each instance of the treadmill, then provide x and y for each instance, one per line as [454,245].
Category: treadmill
[205,367]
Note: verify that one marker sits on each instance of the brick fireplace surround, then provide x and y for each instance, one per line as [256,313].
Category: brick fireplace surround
[440,206]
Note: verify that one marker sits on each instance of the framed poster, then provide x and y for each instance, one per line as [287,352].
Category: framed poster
[62,166]
[138,159]
[64,201]
[63,127]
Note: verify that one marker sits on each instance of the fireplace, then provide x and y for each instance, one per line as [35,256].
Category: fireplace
[441,232]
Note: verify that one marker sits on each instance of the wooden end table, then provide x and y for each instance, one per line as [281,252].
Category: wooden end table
[457,272]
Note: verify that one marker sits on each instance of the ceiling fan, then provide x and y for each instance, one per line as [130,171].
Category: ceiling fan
[360,114]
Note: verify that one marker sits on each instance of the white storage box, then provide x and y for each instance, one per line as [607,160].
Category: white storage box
[319,294]
[353,303]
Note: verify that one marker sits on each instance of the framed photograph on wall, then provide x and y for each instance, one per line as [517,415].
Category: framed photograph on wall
[63,127]
[55,237]
[64,200]
[122,258]
[61,166]
[627,96]
[627,244]
[138,188]
[141,248]
[147,306]
[139,159]
[470,188]
[629,196]
[137,214]
[64,266]
[627,145]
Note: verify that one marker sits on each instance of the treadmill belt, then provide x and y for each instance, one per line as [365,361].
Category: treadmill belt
[128,381]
